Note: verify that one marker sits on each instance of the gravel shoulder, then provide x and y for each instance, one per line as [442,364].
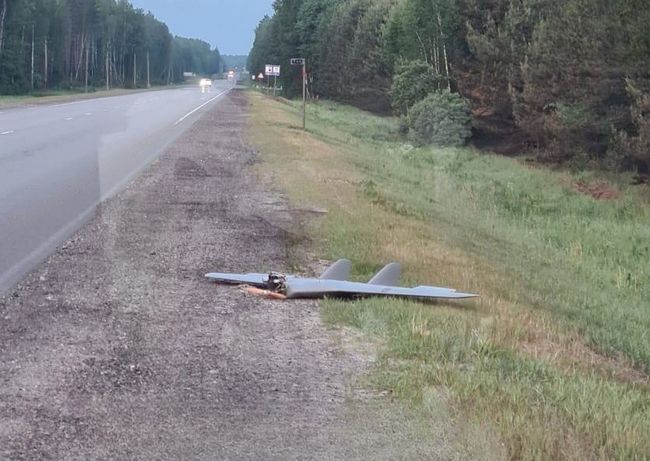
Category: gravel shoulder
[117,348]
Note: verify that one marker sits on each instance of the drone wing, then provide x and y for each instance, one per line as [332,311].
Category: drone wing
[388,276]
[316,288]
[258,280]
[340,270]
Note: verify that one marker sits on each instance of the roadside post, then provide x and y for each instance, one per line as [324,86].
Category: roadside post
[268,71]
[302,62]
[276,74]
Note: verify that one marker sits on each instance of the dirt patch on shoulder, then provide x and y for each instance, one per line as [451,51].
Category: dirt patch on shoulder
[599,190]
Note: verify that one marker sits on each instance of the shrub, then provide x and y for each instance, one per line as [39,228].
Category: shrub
[412,82]
[442,119]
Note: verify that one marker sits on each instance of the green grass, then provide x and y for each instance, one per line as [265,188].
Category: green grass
[55,95]
[555,353]
[37,95]
[586,261]
[541,412]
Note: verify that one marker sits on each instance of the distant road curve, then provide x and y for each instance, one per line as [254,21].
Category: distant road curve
[57,162]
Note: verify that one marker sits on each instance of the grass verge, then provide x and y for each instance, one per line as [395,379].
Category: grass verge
[62,96]
[555,354]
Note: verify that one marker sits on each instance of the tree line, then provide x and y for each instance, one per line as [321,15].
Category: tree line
[568,79]
[232,62]
[67,44]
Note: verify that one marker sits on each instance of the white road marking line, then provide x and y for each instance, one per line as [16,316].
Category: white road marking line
[88,114]
[4,133]
[200,107]
[67,119]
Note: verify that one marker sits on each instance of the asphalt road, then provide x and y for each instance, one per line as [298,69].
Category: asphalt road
[58,162]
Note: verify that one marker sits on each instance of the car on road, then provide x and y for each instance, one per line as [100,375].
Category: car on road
[205,84]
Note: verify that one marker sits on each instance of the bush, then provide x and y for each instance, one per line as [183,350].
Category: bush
[412,82]
[442,119]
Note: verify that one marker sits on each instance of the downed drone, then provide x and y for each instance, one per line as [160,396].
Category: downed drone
[334,283]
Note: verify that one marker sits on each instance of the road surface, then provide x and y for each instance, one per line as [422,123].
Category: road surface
[58,162]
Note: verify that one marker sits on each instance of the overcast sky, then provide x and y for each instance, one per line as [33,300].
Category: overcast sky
[227,24]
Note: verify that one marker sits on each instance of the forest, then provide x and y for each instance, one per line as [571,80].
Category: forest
[234,61]
[87,44]
[568,80]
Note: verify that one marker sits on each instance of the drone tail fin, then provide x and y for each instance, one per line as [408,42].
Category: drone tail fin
[340,271]
[388,276]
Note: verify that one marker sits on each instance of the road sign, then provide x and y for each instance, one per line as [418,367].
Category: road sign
[302,62]
[271,70]
[260,76]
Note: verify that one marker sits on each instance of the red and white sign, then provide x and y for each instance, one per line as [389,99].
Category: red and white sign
[271,70]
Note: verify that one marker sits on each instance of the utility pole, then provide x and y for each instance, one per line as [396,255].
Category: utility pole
[135,83]
[148,79]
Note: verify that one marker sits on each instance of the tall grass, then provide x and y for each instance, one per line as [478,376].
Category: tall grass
[555,353]
[541,412]
[587,261]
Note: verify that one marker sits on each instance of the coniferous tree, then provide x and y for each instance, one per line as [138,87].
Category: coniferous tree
[90,44]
